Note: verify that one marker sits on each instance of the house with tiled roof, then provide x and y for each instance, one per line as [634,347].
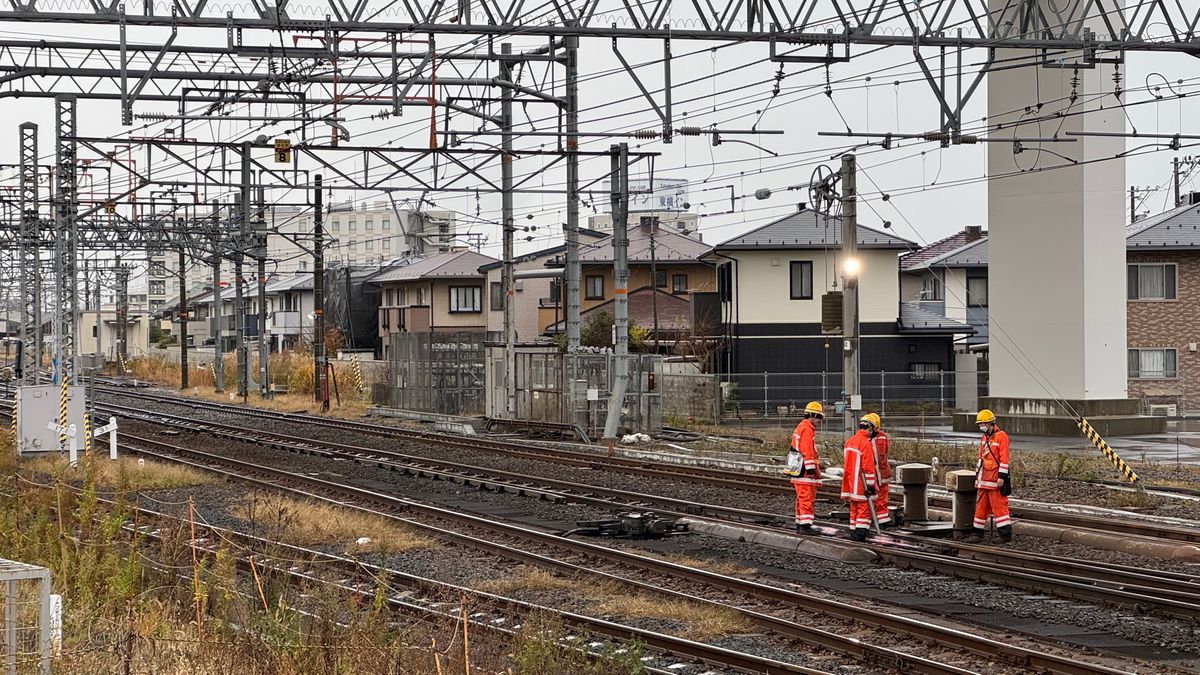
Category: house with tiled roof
[439,294]
[772,283]
[948,278]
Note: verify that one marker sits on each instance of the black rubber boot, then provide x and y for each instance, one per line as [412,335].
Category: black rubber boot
[975,537]
[858,534]
[804,529]
[1005,533]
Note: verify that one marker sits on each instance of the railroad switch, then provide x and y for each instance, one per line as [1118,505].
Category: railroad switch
[630,525]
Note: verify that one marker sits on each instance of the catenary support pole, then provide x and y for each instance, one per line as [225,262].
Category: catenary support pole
[218,320]
[572,303]
[239,281]
[183,321]
[30,258]
[506,196]
[619,180]
[850,270]
[320,390]
[260,255]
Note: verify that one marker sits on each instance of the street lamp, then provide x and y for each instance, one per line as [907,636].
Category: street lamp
[851,267]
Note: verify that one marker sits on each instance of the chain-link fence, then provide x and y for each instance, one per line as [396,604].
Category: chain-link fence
[930,392]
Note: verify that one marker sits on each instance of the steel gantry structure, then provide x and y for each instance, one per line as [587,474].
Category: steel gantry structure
[322,61]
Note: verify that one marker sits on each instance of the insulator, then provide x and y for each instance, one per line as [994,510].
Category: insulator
[645,133]
[968,139]
[936,136]
[688,131]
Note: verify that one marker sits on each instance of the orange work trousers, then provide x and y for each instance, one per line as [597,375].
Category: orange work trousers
[990,503]
[806,493]
[881,504]
[860,515]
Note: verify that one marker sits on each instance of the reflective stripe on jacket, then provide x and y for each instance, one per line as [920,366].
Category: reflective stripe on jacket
[858,465]
[992,466]
[804,442]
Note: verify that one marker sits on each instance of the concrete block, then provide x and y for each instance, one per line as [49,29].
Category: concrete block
[816,546]
[912,474]
[961,480]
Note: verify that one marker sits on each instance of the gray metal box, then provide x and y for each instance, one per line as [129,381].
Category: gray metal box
[37,407]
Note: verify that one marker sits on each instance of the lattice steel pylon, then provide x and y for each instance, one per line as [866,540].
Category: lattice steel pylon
[29,257]
[67,207]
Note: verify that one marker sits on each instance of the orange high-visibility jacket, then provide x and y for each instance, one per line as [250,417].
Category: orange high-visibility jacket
[881,460]
[804,442]
[993,461]
[858,466]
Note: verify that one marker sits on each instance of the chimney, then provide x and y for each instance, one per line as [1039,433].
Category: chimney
[973,232]
[1193,198]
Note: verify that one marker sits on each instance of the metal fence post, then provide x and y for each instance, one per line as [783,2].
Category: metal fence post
[824,387]
[883,392]
[942,391]
[765,413]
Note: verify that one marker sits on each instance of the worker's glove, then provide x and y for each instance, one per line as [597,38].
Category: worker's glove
[1006,485]
[871,492]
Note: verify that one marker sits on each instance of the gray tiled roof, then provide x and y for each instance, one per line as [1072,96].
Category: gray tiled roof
[456,265]
[913,319]
[302,281]
[805,230]
[1177,229]
[669,247]
[931,254]
[973,254]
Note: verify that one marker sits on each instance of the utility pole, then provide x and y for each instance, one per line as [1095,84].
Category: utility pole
[218,305]
[619,180]
[260,253]
[183,321]
[1132,204]
[239,296]
[122,317]
[320,390]
[571,121]
[1175,179]
[850,271]
[506,196]
[653,222]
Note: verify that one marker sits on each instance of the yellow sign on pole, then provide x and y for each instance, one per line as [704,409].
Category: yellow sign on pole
[283,151]
[110,208]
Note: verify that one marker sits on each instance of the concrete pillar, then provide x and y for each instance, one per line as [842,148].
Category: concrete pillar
[915,479]
[1056,242]
[962,483]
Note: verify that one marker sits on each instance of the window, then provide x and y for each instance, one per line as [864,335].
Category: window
[496,293]
[336,226]
[353,226]
[158,269]
[400,296]
[303,265]
[387,243]
[387,298]
[595,287]
[353,246]
[679,283]
[158,288]
[977,292]
[924,372]
[464,299]
[802,279]
[385,225]
[370,244]
[421,296]
[369,226]
[725,282]
[1151,282]
[660,278]
[385,316]
[931,286]
[1153,363]
[555,290]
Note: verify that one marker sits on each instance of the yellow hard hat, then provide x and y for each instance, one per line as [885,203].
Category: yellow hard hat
[985,416]
[815,408]
[872,418]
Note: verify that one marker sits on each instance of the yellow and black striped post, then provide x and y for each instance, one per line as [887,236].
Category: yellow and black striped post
[62,414]
[87,434]
[1102,445]
[358,374]
[13,427]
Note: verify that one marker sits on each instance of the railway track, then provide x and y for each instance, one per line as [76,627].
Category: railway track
[718,477]
[386,504]
[1166,593]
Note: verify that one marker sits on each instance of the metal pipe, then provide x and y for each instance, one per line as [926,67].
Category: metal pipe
[619,181]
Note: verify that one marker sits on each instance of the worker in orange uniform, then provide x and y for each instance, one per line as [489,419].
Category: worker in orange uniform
[993,484]
[804,467]
[879,443]
[859,483]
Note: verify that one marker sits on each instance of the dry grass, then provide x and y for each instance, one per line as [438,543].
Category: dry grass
[726,567]
[306,523]
[124,474]
[702,621]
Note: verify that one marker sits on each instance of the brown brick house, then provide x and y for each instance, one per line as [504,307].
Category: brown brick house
[1163,310]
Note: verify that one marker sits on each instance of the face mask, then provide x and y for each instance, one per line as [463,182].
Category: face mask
[983,428]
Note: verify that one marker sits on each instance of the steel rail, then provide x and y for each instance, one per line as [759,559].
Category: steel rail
[949,637]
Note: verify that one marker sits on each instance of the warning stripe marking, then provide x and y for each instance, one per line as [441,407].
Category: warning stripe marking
[1103,446]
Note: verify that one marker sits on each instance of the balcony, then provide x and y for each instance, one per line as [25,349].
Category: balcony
[285,323]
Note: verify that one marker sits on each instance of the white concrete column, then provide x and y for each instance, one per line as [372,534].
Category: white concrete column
[1057,237]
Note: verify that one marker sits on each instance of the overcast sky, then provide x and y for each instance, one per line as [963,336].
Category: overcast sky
[732,88]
